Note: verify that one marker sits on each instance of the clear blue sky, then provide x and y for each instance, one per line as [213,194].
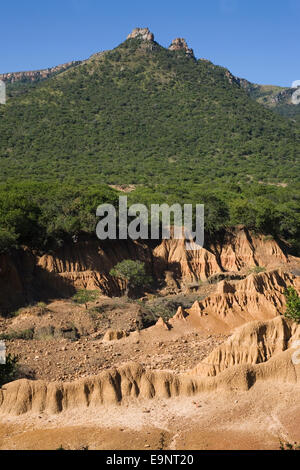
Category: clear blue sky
[255,39]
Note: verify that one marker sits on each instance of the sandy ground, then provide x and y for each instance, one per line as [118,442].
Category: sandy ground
[61,359]
[257,419]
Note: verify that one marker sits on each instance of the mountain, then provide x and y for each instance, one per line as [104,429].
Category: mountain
[142,111]
[279,99]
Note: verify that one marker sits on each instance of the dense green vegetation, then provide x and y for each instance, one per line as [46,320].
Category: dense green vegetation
[289,111]
[141,112]
[44,216]
[292,304]
[274,97]
[180,129]
[132,272]
[8,370]
[263,208]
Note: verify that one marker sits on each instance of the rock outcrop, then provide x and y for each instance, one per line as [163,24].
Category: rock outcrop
[161,323]
[114,335]
[181,314]
[141,33]
[26,277]
[180,44]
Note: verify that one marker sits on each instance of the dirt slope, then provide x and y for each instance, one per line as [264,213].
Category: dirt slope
[25,276]
[253,343]
[258,297]
[132,381]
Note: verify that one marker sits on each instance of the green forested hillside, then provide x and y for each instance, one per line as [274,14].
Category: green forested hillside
[182,130]
[277,98]
[141,113]
[43,216]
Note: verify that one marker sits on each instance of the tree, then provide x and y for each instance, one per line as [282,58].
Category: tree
[292,304]
[8,239]
[84,296]
[133,272]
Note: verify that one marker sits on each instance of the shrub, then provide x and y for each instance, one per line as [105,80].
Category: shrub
[84,296]
[285,445]
[23,334]
[292,304]
[133,272]
[165,308]
[8,240]
[257,269]
[8,371]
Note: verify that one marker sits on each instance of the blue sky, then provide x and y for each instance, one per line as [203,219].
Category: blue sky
[255,39]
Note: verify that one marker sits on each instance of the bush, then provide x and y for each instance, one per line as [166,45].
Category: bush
[8,240]
[84,296]
[292,304]
[8,371]
[24,334]
[257,269]
[285,445]
[133,272]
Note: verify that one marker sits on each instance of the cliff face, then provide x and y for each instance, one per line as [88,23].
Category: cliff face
[35,75]
[238,250]
[25,276]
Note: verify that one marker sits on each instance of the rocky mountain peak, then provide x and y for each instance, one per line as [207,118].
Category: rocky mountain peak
[179,44]
[141,33]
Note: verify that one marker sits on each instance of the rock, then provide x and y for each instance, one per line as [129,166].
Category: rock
[170,281]
[114,335]
[162,323]
[141,33]
[71,266]
[181,314]
[196,309]
[180,44]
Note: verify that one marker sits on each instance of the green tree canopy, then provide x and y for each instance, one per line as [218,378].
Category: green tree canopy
[133,272]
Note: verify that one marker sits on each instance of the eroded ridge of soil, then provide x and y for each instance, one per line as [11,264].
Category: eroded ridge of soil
[218,375]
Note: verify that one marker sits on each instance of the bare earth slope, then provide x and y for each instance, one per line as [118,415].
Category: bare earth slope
[245,406]
[257,297]
[25,277]
[240,392]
